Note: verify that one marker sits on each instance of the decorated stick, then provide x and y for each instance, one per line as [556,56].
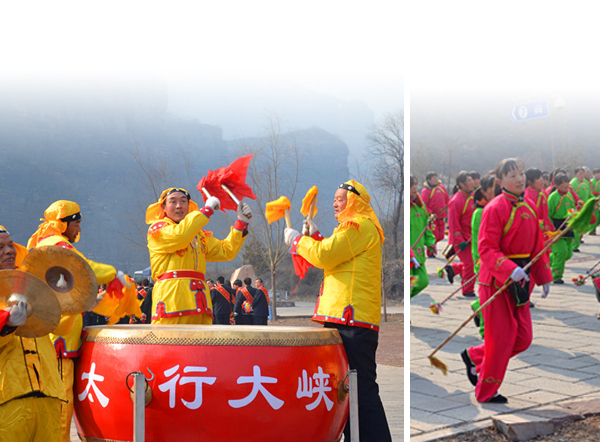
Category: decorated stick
[436,308]
[277,209]
[233,197]
[579,281]
[579,223]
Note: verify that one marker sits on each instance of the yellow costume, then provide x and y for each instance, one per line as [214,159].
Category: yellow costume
[351,260]
[67,346]
[178,256]
[31,390]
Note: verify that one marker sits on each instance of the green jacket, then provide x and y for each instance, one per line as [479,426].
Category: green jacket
[419,216]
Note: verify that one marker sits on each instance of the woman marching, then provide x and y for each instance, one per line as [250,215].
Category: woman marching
[509,237]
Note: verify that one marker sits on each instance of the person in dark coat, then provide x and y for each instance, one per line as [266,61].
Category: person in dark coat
[260,304]
[222,301]
[242,310]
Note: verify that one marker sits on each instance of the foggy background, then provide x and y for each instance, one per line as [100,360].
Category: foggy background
[470,63]
[107,105]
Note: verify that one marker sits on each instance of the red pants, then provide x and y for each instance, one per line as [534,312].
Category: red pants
[465,270]
[439,231]
[508,332]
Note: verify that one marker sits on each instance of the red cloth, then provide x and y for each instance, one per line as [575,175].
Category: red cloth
[460,212]
[3,318]
[507,327]
[439,229]
[115,288]
[232,176]
[436,200]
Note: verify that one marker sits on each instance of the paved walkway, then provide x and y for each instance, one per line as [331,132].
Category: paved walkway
[390,378]
[562,365]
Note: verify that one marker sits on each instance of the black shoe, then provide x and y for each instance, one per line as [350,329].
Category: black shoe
[576,250]
[469,295]
[471,372]
[559,281]
[498,399]
[531,304]
[449,273]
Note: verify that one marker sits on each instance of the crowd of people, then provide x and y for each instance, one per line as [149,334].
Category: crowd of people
[36,374]
[506,232]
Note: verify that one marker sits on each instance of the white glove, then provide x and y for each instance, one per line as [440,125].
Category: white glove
[545,290]
[18,314]
[213,202]
[121,277]
[244,213]
[289,235]
[416,264]
[519,274]
[309,228]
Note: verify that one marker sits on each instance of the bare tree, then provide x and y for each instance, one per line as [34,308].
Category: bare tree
[273,172]
[386,151]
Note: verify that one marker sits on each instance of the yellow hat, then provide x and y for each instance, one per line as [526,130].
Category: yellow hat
[57,217]
[155,211]
[358,206]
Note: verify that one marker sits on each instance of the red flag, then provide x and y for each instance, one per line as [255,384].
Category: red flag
[301,266]
[232,176]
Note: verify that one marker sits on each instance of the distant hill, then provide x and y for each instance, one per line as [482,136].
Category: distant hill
[76,141]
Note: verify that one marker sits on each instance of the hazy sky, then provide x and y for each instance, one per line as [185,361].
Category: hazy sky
[352,52]
[482,47]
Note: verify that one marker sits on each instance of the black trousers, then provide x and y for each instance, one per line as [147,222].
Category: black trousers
[221,319]
[360,345]
[261,320]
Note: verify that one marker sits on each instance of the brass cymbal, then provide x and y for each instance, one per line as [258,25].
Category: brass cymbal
[68,275]
[43,309]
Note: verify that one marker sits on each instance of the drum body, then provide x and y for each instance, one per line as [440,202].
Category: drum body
[213,383]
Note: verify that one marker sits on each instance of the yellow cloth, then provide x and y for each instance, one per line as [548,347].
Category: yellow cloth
[28,365]
[275,209]
[52,224]
[358,208]
[185,246]
[30,419]
[67,372]
[310,196]
[351,260]
[117,308]
[155,211]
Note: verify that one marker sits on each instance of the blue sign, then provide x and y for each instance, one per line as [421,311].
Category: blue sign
[529,111]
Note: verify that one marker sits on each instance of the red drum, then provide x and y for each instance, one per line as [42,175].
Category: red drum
[213,383]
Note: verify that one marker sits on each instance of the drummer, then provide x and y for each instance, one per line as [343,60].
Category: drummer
[351,294]
[31,390]
[62,227]
[179,249]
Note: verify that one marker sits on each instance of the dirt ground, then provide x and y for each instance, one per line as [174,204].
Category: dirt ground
[586,430]
[391,337]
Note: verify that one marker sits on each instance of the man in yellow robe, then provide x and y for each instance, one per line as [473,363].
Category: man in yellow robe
[31,391]
[179,249]
[61,226]
[351,294]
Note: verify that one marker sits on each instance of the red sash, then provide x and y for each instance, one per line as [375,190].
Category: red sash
[247,294]
[224,292]
[266,292]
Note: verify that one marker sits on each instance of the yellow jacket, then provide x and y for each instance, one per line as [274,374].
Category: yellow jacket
[28,365]
[351,260]
[186,247]
[68,345]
